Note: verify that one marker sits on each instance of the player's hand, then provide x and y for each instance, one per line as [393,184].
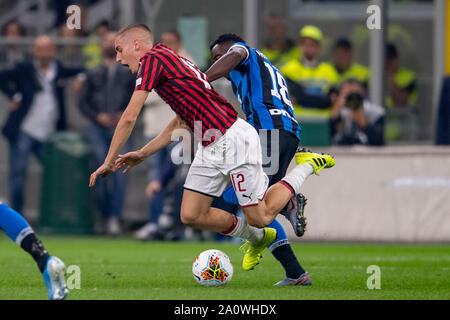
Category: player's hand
[128,161]
[152,187]
[102,171]
[359,117]
[106,120]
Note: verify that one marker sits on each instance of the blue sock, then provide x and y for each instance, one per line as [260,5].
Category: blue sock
[230,196]
[281,235]
[15,226]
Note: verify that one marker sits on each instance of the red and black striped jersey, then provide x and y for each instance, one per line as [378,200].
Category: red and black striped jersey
[187,91]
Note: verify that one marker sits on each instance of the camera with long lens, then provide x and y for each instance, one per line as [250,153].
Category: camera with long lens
[354,101]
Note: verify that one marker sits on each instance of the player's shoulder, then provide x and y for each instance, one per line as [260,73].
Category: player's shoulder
[160,49]
[250,50]
[146,58]
[242,46]
[157,52]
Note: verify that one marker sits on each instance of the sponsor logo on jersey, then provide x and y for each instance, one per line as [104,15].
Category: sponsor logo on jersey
[278,112]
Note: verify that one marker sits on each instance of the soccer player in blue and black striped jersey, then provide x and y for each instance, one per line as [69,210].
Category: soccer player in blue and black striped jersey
[262,91]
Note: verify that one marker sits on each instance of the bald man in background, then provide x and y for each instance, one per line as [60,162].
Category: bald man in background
[37,110]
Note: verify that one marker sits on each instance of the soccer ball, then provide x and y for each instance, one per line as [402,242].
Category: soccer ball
[212,268]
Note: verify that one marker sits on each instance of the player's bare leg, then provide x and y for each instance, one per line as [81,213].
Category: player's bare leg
[196,211]
[265,212]
[261,215]
[277,197]
[280,194]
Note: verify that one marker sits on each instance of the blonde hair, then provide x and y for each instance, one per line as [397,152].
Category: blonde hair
[137,26]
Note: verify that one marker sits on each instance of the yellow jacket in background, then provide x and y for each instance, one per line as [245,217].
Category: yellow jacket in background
[356,71]
[315,80]
[279,58]
[405,79]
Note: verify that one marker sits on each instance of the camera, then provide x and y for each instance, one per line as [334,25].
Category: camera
[354,101]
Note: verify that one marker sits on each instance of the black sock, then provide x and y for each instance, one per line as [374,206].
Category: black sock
[35,248]
[287,258]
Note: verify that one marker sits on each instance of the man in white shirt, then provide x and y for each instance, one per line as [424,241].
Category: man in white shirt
[36,112]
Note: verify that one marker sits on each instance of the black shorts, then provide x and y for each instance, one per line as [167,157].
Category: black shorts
[288,144]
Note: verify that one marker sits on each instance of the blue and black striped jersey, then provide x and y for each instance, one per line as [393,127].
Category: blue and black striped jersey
[262,91]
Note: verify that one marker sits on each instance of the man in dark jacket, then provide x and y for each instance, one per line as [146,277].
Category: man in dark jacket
[104,95]
[443,118]
[354,119]
[37,109]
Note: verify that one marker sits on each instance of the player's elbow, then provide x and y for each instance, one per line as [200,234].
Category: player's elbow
[128,120]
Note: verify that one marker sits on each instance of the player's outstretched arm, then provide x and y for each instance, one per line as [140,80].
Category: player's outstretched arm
[226,63]
[121,134]
[132,159]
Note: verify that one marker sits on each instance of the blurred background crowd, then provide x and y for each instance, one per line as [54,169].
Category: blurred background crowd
[63,94]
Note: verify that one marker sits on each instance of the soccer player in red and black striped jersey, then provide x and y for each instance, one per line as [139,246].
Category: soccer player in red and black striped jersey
[230,149]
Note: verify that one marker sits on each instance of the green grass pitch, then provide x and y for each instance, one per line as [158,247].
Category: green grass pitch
[126,269]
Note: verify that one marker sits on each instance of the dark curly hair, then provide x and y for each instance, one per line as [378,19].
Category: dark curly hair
[226,37]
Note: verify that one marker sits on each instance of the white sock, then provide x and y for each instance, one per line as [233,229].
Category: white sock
[298,175]
[245,231]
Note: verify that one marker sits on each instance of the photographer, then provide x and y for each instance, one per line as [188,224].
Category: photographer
[355,120]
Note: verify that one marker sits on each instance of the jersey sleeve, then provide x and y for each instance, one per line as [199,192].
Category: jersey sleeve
[149,74]
[243,46]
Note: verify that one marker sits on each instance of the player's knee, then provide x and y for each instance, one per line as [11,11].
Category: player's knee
[189,217]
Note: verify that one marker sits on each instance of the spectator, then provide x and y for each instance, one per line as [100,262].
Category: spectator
[71,50]
[344,65]
[157,114]
[165,192]
[13,29]
[354,119]
[402,84]
[443,118]
[13,53]
[279,49]
[172,39]
[38,111]
[104,95]
[102,29]
[92,51]
[309,72]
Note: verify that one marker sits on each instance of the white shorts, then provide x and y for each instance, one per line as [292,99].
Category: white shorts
[235,157]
